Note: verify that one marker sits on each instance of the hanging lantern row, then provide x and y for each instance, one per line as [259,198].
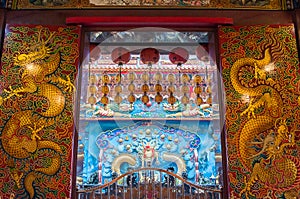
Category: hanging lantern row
[177,55]
[171,89]
[105,90]
[131,88]
[158,87]
[199,89]
[149,56]
[92,89]
[185,89]
[120,56]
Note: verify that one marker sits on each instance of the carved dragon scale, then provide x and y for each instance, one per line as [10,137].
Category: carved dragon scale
[36,76]
[265,160]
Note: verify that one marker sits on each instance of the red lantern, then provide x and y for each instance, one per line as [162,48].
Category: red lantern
[202,52]
[179,56]
[149,56]
[120,55]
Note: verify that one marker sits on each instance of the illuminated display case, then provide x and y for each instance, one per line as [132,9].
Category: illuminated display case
[149,107]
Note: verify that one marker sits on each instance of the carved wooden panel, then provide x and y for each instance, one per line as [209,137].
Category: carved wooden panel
[38,68]
[260,70]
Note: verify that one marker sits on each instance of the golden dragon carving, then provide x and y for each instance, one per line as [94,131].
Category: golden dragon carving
[262,145]
[21,134]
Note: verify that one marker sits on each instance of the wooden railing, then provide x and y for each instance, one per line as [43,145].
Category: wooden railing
[149,183]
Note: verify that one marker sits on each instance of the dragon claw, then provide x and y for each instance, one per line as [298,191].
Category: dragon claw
[246,190]
[69,85]
[249,111]
[34,132]
[35,136]
[11,92]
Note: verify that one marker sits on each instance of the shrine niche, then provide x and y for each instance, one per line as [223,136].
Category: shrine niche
[149,104]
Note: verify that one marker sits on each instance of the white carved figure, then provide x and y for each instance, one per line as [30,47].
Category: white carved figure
[149,155]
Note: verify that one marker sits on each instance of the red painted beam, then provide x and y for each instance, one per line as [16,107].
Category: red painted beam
[124,21]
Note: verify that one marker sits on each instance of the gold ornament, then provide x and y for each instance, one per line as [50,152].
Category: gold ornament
[105,79]
[104,100]
[185,99]
[197,90]
[131,98]
[158,88]
[145,77]
[131,76]
[208,90]
[209,100]
[199,100]
[131,87]
[92,89]
[92,99]
[171,78]
[118,89]
[158,98]
[145,88]
[185,89]
[171,88]
[105,89]
[172,100]
[145,99]
[93,79]
[158,77]
[118,78]
[118,99]
[185,78]
[197,79]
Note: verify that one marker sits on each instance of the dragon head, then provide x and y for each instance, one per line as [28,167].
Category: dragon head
[36,51]
[283,139]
